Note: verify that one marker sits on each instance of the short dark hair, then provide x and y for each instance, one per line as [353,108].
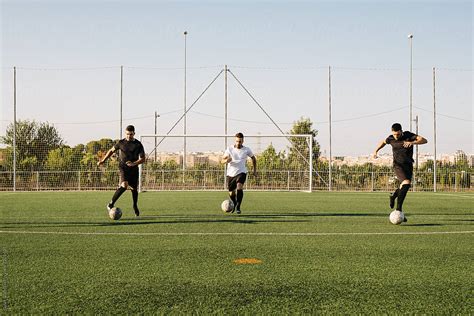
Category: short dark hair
[396,127]
[239,135]
[130,128]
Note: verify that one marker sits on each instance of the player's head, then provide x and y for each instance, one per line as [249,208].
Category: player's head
[239,140]
[129,132]
[397,130]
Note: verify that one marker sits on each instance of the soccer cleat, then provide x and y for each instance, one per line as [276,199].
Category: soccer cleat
[137,212]
[238,211]
[393,197]
[109,206]
[405,219]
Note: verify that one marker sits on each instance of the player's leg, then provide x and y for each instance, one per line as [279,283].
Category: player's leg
[404,186]
[240,196]
[240,190]
[135,201]
[231,186]
[393,196]
[400,173]
[133,183]
[122,188]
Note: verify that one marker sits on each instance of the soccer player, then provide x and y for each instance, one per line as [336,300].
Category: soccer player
[131,154]
[402,148]
[235,157]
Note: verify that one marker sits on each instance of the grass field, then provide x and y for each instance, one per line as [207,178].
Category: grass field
[288,253]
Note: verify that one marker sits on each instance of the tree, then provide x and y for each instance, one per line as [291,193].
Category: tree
[298,148]
[64,158]
[34,140]
[269,159]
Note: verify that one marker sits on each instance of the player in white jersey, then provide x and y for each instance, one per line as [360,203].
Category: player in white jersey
[236,157]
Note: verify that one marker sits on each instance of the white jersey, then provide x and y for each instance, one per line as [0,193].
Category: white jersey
[239,158]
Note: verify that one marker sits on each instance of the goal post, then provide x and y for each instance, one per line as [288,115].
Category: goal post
[284,162]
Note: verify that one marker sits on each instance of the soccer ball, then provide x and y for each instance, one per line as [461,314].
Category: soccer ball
[115,213]
[227,206]
[396,217]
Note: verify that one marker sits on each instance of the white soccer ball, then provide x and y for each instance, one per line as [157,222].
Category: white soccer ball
[227,206]
[396,217]
[115,213]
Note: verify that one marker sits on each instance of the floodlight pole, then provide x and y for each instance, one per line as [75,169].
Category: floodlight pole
[14,128]
[416,146]
[184,125]
[434,129]
[121,101]
[330,134]
[410,36]
[225,107]
[416,155]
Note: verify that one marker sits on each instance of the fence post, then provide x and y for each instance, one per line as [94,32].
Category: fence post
[37,180]
[162,180]
[373,183]
[288,181]
[79,180]
[456,181]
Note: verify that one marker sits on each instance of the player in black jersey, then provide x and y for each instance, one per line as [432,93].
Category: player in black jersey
[131,154]
[402,148]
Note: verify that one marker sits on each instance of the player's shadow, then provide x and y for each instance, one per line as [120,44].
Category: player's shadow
[318,215]
[424,225]
[144,221]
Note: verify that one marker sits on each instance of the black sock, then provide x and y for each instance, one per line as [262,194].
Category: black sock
[240,197]
[135,198]
[395,194]
[401,196]
[117,194]
[233,197]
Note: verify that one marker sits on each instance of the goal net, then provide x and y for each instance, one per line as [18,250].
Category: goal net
[192,162]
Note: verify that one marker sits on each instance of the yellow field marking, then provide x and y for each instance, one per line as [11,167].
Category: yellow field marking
[247,261]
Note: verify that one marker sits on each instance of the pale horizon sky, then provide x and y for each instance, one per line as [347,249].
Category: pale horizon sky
[68,56]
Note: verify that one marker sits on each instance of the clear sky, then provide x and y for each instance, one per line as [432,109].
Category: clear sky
[68,55]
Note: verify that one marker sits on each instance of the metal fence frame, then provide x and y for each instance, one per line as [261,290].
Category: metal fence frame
[212,180]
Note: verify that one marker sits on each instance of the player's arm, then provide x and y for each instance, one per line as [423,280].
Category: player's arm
[419,140]
[254,163]
[140,160]
[107,155]
[226,159]
[380,146]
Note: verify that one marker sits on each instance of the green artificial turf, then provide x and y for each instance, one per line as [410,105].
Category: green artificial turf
[318,252]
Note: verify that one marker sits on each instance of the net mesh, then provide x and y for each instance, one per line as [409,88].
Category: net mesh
[283,163]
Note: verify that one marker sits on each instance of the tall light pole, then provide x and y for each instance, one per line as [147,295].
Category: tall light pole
[410,37]
[121,101]
[415,183]
[416,146]
[156,130]
[184,125]
[330,132]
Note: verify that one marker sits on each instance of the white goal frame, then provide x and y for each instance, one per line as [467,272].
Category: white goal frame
[225,144]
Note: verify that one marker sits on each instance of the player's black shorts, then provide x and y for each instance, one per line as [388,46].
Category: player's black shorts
[130,175]
[232,181]
[403,171]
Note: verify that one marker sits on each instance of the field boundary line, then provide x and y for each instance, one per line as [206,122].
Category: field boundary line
[228,234]
[461,195]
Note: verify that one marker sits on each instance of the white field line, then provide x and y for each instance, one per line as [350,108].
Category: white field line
[458,195]
[227,234]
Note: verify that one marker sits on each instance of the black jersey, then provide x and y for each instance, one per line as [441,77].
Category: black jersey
[402,155]
[129,151]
